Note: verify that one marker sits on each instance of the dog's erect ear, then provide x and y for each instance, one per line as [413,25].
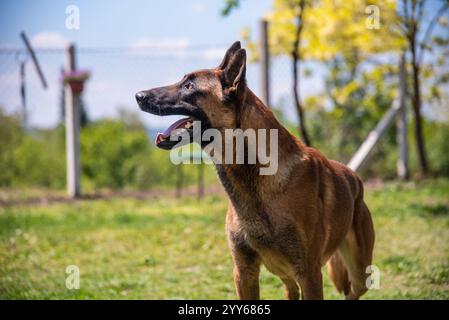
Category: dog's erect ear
[235,71]
[228,55]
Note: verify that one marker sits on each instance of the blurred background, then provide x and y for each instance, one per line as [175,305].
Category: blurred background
[330,70]
[347,80]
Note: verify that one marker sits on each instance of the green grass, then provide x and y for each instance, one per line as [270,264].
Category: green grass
[176,249]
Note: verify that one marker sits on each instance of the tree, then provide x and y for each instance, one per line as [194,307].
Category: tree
[296,58]
[330,32]
[229,6]
[287,26]
[324,30]
[291,15]
[412,16]
[336,33]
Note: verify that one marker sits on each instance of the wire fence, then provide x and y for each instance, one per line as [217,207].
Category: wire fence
[117,73]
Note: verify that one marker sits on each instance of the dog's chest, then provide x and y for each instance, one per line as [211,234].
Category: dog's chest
[268,245]
[251,225]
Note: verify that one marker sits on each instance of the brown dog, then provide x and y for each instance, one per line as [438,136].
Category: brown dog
[311,211]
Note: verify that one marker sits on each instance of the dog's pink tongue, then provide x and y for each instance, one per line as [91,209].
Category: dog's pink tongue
[173,126]
[177,124]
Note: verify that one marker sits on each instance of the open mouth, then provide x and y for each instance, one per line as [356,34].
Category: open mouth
[180,131]
[158,102]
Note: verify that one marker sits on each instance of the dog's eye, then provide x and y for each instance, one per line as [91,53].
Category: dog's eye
[188,86]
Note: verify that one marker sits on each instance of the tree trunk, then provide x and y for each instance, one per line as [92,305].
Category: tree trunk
[296,58]
[420,147]
[299,109]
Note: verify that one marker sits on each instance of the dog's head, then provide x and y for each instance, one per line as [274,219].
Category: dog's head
[210,96]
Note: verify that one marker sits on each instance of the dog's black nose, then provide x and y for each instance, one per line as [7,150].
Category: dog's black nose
[141,96]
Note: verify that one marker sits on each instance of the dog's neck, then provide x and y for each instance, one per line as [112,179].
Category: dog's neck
[243,182]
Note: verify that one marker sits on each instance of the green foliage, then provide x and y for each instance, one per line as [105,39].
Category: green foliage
[362,75]
[114,154]
[10,136]
[330,29]
[111,154]
[39,160]
[437,137]
[359,101]
[340,131]
[229,6]
[32,158]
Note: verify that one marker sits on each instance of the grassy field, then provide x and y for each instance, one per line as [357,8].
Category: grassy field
[176,249]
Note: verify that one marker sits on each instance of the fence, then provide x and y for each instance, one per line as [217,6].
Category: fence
[117,73]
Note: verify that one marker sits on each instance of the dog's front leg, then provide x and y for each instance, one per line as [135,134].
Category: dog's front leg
[292,290]
[246,273]
[246,280]
[311,284]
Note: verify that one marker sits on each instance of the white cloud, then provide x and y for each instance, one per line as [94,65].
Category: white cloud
[175,48]
[214,53]
[199,7]
[161,44]
[8,46]
[49,39]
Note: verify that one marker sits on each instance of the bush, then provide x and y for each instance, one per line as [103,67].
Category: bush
[40,159]
[111,154]
[30,159]
[327,136]
[10,138]
[118,153]
[115,154]
[436,135]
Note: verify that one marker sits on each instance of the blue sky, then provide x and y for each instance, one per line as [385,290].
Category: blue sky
[116,23]
[187,35]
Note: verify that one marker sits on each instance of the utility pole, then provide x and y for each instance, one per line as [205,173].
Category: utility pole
[265,62]
[72,125]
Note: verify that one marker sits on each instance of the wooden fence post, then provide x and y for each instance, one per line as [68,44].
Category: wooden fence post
[265,62]
[72,124]
[374,136]
[398,108]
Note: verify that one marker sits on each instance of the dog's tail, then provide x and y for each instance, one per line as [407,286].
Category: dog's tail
[339,274]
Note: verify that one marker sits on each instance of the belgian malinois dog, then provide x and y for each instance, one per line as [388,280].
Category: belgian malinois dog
[309,213]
